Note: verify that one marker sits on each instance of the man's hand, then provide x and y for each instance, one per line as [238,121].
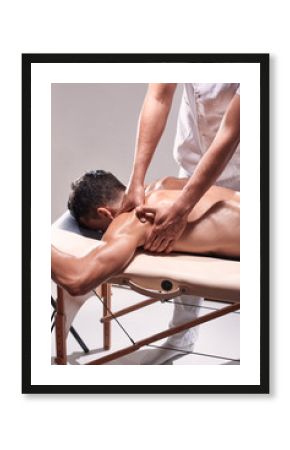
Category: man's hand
[169,224]
[134,196]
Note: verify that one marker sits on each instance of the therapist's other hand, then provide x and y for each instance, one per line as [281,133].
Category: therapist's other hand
[169,224]
[134,196]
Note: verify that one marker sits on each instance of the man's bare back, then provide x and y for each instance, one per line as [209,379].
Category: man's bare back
[213,225]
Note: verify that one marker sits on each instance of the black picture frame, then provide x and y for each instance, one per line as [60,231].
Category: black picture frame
[263,61]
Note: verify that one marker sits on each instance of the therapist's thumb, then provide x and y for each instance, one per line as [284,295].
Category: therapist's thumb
[145,213]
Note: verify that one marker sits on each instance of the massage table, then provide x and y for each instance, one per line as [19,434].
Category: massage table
[162,277]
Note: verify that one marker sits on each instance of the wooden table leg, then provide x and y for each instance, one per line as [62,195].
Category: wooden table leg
[106,295]
[60,319]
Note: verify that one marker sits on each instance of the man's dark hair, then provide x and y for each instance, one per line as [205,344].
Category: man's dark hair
[94,189]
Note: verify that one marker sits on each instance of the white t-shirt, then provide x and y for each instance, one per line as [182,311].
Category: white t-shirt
[201,111]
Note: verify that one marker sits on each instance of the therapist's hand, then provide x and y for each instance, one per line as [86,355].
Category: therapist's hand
[134,196]
[169,224]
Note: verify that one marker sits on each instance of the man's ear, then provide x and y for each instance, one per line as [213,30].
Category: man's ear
[105,212]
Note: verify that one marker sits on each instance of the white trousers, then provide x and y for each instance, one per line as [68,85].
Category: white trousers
[177,345]
[186,308]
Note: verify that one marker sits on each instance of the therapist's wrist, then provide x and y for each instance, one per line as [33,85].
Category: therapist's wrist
[181,208]
[185,203]
[138,176]
[188,198]
[136,181]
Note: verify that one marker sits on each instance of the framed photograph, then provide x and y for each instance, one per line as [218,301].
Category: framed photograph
[145,221]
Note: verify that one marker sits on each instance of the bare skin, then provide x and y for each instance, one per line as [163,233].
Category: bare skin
[213,228]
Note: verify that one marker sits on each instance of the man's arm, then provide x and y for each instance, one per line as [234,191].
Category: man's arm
[169,224]
[78,275]
[152,121]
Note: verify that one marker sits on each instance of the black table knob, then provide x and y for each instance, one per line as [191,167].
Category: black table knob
[166,285]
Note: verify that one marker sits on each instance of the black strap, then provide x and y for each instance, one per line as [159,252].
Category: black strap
[186,352]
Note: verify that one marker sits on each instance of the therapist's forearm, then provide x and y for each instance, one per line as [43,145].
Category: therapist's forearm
[214,160]
[152,121]
[207,171]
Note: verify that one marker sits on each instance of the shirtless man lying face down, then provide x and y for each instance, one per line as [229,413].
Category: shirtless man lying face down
[213,228]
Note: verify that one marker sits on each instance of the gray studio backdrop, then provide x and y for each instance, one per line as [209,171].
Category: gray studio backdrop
[93,126]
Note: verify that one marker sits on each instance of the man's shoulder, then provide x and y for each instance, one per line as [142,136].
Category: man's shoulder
[125,226]
[154,198]
[166,183]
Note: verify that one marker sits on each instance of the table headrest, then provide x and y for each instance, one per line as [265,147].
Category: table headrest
[68,223]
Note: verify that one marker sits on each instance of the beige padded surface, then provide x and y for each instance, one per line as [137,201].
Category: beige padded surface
[213,278]
[72,243]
